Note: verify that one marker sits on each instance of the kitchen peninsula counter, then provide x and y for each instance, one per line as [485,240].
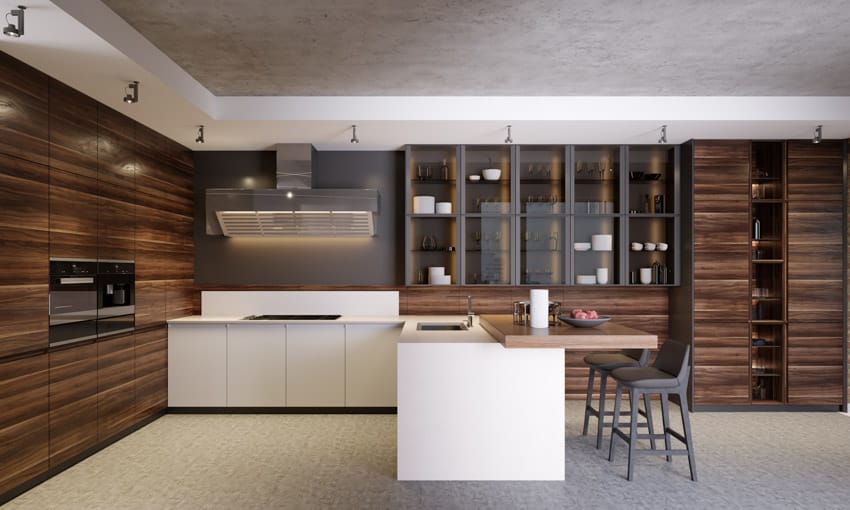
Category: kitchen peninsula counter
[610,335]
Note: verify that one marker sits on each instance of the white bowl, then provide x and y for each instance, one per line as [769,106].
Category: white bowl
[581,246]
[649,246]
[637,247]
[443,207]
[491,174]
[423,204]
[475,178]
[601,242]
[661,246]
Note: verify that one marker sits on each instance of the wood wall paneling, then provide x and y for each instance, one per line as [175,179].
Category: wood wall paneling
[721,385]
[73,215]
[150,303]
[116,185]
[116,401]
[73,402]
[23,111]
[815,385]
[23,420]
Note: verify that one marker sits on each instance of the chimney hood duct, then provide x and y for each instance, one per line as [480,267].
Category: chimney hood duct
[294,207]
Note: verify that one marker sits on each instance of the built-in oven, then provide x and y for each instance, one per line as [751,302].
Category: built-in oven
[72,303]
[116,304]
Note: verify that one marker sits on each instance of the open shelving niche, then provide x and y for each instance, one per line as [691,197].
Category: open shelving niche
[521,229]
[768,317]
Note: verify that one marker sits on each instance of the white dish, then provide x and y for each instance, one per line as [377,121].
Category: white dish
[661,246]
[443,207]
[491,174]
[475,178]
[581,246]
[637,247]
[423,204]
[586,279]
[649,246]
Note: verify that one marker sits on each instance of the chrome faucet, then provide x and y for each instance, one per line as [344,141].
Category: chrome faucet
[469,314]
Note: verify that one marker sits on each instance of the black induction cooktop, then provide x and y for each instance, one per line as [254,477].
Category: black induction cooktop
[292,317]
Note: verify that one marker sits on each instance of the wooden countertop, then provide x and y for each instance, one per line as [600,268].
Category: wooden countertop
[610,335]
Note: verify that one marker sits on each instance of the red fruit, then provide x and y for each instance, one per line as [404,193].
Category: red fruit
[581,315]
[591,314]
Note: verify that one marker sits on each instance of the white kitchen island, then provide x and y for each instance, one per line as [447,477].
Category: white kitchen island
[470,409]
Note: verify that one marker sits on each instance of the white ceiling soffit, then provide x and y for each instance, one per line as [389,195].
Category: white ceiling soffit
[85,44]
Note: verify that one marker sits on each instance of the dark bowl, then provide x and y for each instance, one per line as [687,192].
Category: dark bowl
[635,175]
[652,177]
[584,323]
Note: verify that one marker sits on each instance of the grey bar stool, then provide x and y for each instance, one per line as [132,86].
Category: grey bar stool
[604,363]
[668,375]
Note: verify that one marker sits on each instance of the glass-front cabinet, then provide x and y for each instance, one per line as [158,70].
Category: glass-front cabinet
[542,215]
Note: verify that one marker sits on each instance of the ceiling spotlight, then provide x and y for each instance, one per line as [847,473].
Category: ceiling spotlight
[132,91]
[509,139]
[11,30]
[354,134]
[663,137]
[818,134]
[200,138]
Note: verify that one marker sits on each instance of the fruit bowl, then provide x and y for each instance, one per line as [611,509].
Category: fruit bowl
[584,323]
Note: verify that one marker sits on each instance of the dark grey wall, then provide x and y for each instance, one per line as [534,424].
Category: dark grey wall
[303,260]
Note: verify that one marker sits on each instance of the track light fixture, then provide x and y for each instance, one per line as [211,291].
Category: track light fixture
[132,91]
[818,134]
[200,138]
[11,29]
[354,134]
[508,139]
[663,137]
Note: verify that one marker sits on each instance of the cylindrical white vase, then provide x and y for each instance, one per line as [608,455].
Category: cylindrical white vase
[539,308]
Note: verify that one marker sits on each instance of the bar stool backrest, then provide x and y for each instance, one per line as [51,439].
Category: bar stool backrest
[673,359]
[639,355]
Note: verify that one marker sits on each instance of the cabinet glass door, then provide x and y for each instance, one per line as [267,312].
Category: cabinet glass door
[651,183]
[487,176]
[487,253]
[541,253]
[595,250]
[597,179]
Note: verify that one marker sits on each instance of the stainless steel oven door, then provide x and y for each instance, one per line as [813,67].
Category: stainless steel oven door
[115,325]
[72,309]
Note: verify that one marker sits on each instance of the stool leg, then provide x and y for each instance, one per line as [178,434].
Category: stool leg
[600,424]
[650,425]
[686,423]
[634,400]
[589,400]
[665,418]
[615,425]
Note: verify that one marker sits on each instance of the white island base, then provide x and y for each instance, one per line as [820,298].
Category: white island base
[478,411]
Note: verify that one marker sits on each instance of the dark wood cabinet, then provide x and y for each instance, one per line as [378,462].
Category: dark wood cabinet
[116,400]
[151,369]
[116,183]
[73,402]
[23,255]
[720,233]
[23,111]
[767,308]
[23,421]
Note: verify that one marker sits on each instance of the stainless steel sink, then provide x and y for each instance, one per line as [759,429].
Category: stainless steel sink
[441,326]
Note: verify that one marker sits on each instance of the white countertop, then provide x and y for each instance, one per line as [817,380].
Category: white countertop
[409,333]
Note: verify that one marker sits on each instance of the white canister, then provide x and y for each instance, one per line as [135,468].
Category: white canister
[539,308]
[601,242]
[646,275]
[423,204]
[601,275]
[444,207]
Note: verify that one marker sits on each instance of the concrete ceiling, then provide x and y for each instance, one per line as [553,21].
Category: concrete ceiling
[458,72]
[503,47]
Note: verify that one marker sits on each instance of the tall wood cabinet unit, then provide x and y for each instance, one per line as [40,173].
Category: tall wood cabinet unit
[763,238]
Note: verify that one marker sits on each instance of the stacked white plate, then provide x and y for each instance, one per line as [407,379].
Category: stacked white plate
[423,204]
[586,279]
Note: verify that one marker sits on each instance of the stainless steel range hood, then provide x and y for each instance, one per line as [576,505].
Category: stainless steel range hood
[294,207]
